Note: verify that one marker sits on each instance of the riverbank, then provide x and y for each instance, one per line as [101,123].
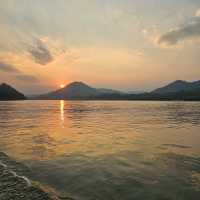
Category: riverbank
[15,185]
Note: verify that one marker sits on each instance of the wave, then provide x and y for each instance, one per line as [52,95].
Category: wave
[28,182]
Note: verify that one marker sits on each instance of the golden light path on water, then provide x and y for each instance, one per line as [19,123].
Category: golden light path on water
[62,112]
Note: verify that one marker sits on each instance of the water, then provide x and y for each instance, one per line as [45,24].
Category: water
[107,150]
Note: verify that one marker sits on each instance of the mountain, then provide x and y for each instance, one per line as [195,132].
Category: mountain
[78,90]
[9,93]
[179,86]
[178,90]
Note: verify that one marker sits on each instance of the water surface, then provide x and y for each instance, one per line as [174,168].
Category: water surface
[107,150]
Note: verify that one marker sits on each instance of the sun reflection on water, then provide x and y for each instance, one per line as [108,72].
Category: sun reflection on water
[62,111]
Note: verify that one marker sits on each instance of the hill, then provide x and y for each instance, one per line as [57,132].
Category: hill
[178,90]
[179,86]
[78,90]
[9,93]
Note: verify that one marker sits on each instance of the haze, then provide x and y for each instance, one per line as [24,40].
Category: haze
[119,44]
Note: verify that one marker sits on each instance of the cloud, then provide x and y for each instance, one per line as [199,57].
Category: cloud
[187,32]
[40,53]
[8,68]
[25,77]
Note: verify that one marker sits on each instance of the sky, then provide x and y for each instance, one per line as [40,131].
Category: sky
[131,45]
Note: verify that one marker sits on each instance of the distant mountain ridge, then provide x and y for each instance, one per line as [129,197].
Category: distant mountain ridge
[9,93]
[177,90]
[78,90]
[179,86]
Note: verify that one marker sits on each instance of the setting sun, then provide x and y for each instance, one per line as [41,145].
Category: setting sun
[62,86]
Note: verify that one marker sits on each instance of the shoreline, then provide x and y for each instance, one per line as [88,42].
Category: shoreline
[14,183]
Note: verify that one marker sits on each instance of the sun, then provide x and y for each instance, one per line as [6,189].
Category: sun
[62,86]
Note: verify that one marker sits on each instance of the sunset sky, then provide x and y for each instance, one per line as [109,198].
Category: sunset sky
[121,44]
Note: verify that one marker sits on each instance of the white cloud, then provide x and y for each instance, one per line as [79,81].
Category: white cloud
[187,32]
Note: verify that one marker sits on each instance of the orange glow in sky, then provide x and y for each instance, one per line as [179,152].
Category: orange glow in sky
[62,86]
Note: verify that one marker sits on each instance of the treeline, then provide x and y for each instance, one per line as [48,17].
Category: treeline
[178,96]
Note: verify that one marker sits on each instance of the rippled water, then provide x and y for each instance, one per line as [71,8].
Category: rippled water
[107,150]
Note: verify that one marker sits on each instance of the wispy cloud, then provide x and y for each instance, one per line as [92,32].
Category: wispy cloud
[19,75]
[187,32]
[40,53]
[8,67]
[25,77]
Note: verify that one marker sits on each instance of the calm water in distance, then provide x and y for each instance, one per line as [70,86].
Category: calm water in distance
[107,150]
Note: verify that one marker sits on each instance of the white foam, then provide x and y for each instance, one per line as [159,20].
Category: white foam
[3,165]
[28,182]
